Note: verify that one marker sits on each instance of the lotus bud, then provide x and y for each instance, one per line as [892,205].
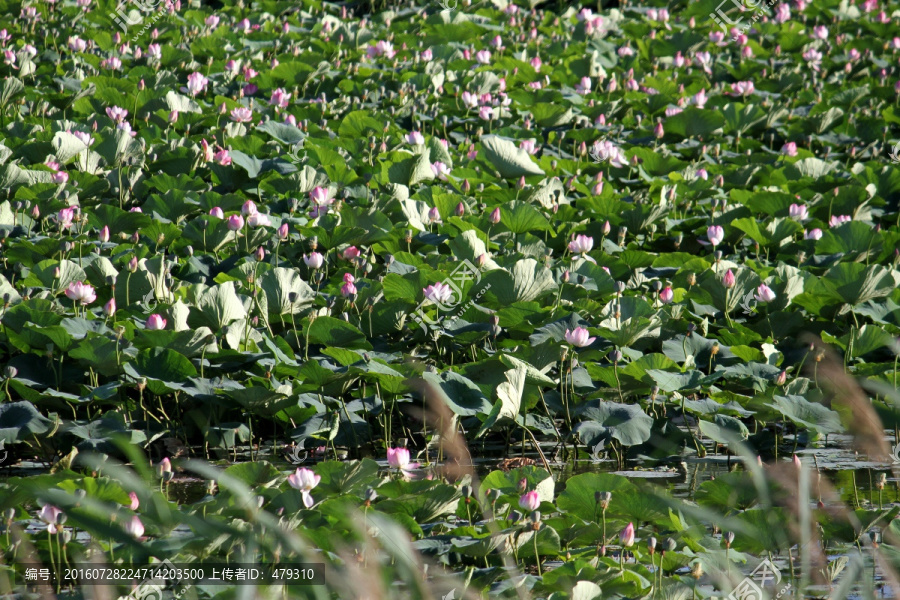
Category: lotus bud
[482,259]
[495,216]
[520,185]
[466,186]
[615,356]
[671,545]
[10,372]
[460,209]
[260,254]
[781,379]
[566,276]
[133,264]
[606,228]
[728,538]
[620,287]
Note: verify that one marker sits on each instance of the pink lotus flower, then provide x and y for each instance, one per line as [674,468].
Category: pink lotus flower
[796,461]
[469,99]
[241,114]
[126,127]
[314,260]
[627,536]
[135,502]
[764,294]
[280,98]
[584,86]
[789,149]
[116,114]
[495,216]
[666,295]
[483,57]
[259,220]
[65,217]
[381,48]
[728,280]
[103,236]
[529,146]
[304,480]
[156,322]
[398,458]
[530,501]
[81,292]
[248,208]
[715,234]
[813,234]
[439,293]
[112,63]
[426,55]
[486,113]
[154,52]
[348,289]
[235,222]
[51,516]
[76,44]
[837,220]
[582,244]
[217,212]
[742,88]
[134,527]
[798,212]
[109,309]
[440,170]
[59,177]
[212,21]
[196,83]
[85,138]
[782,13]
[351,253]
[820,32]
[607,151]
[579,337]
[222,157]
[164,466]
[319,195]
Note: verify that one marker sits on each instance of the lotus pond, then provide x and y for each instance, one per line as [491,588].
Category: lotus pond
[440,299]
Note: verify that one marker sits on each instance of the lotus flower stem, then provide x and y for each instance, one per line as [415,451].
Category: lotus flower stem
[537,557]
